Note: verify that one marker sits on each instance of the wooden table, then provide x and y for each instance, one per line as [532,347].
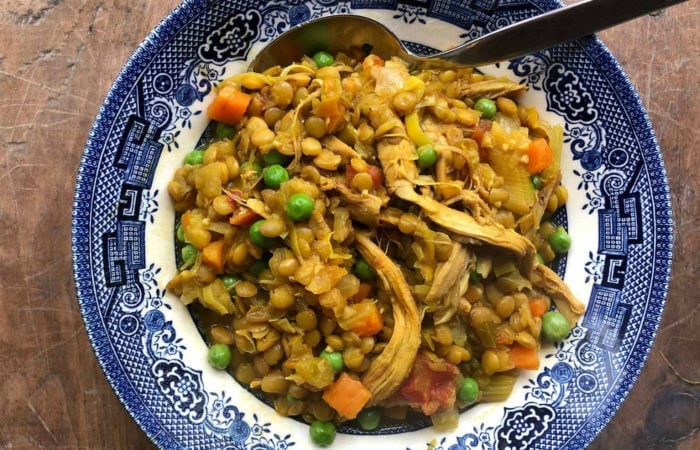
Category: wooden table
[57,61]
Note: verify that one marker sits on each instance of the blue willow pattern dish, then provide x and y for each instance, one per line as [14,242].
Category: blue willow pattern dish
[123,252]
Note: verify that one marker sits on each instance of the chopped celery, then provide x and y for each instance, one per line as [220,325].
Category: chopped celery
[505,268]
[505,157]
[487,333]
[498,389]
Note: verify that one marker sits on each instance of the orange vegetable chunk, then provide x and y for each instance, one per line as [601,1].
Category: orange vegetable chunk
[539,156]
[229,105]
[213,256]
[538,306]
[523,357]
[347,395]
[244,217]
[364,318]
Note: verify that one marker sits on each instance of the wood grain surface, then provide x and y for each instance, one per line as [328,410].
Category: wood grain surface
[57,61]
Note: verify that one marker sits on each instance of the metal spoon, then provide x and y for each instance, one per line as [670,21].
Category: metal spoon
[340,32]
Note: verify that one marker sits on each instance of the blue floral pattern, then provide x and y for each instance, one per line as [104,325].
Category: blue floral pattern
[154,114]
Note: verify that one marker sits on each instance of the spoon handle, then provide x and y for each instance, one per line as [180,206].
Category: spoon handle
[551,28]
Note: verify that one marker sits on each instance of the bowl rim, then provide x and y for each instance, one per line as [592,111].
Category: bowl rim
[143,56]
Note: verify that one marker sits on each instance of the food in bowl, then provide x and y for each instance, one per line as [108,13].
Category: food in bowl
[361,241]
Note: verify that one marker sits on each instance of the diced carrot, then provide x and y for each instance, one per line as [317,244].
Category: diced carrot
[347,395]
[213,255]
[229,105]
[366,320]
[523,357]
[243,217]
[539,156]
[538,306]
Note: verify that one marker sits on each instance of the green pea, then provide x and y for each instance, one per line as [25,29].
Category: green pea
[555,327]
[229,281]
[194,157]
[474,277]
[540,258]
[335,359]
[427,156]
[274,157]
[322,433]
[560,241]
[258,266]
[323,59]
[274,176]
[468,391]
[299,207]
[369,418]
[224,131]
[257,238]
[536,182]
[363,270]
[188,253]
[256,166]
[180,233]
[486,107]
[219,356]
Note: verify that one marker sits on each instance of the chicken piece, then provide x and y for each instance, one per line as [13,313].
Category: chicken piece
[388,370]
[445,290]
[540,207]
[490,88]
[567,304]
[465,225]
[339,147]
[363,207]
[395,151]
[477,206]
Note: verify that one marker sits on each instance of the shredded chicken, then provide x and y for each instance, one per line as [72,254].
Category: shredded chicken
[388,370]
[363,207]
[446,289]
[463,224]
[339,147]
[567,304]
[490,88]
[543,199]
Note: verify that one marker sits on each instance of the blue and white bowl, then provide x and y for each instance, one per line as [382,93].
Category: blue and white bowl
[618,214]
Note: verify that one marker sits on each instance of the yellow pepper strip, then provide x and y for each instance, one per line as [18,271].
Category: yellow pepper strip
[413,83]
[414,130]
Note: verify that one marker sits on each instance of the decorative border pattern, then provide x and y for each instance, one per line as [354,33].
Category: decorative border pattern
[157,103]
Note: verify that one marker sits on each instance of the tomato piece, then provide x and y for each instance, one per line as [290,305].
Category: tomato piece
[376,174]
[431,385]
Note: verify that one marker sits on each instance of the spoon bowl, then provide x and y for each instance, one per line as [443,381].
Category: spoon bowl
[341,32]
